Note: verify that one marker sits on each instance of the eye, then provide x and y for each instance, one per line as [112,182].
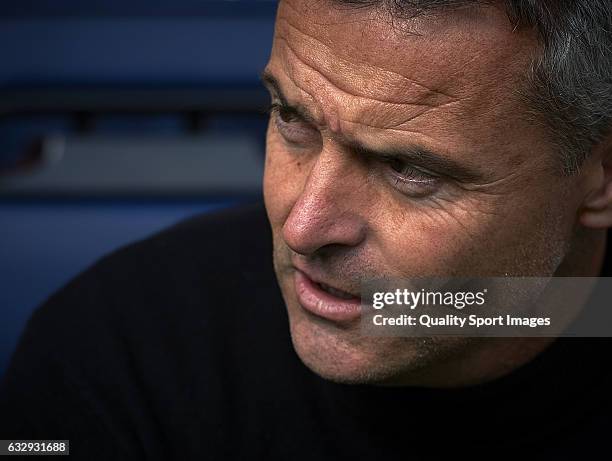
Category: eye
[284,114]
[409,179]
[291,126]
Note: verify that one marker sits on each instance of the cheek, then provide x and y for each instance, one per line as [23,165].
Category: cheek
[426,242]
[486,239]
[282,181]
[525,239]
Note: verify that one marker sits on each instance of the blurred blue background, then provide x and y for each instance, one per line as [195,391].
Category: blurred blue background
[119,118]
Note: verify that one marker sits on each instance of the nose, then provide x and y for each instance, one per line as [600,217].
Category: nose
[328,211]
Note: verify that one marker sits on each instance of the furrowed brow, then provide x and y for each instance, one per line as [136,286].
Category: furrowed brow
[415,155]
[274,87]
[421,157]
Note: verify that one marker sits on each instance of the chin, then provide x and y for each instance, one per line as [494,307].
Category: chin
[343,355]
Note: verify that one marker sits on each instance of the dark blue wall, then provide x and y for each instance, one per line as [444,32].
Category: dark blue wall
[102,44]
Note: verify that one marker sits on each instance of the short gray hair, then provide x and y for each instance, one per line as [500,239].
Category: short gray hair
[570,81]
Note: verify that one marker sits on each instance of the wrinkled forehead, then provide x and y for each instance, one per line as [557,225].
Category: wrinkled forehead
[446,53]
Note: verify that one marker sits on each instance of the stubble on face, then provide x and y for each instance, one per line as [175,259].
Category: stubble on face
[448,84]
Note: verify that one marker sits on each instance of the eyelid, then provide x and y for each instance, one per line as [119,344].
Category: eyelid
[417,178]
[277,107]
[274,106]
[409,179]
[294,129]
[390,159]
[415,175]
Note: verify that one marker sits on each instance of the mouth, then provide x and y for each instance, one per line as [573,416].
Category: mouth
[335,292]
[326,301]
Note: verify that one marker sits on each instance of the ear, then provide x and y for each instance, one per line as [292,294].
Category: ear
[597,209]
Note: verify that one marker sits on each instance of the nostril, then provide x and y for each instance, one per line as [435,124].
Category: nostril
[307,238]
[301,238]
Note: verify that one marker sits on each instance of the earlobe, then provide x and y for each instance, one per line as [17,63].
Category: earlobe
[597,210]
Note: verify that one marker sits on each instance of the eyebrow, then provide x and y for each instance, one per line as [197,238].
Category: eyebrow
[422,157]
[418,156]
[272,84]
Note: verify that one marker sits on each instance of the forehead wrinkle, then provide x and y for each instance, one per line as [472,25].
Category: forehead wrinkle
[363,107]
[355,11]
[348,134]
[361,96]
[404,129]
[314,115]
[508,48]
[375,78]
[394,116]
[328,118]
[341,133]
[312,112]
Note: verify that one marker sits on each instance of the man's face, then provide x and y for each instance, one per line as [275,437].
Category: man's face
[399,149]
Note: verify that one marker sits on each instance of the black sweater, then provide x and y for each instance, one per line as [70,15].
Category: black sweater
[178,347]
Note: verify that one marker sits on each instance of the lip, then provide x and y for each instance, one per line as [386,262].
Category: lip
[323,304]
